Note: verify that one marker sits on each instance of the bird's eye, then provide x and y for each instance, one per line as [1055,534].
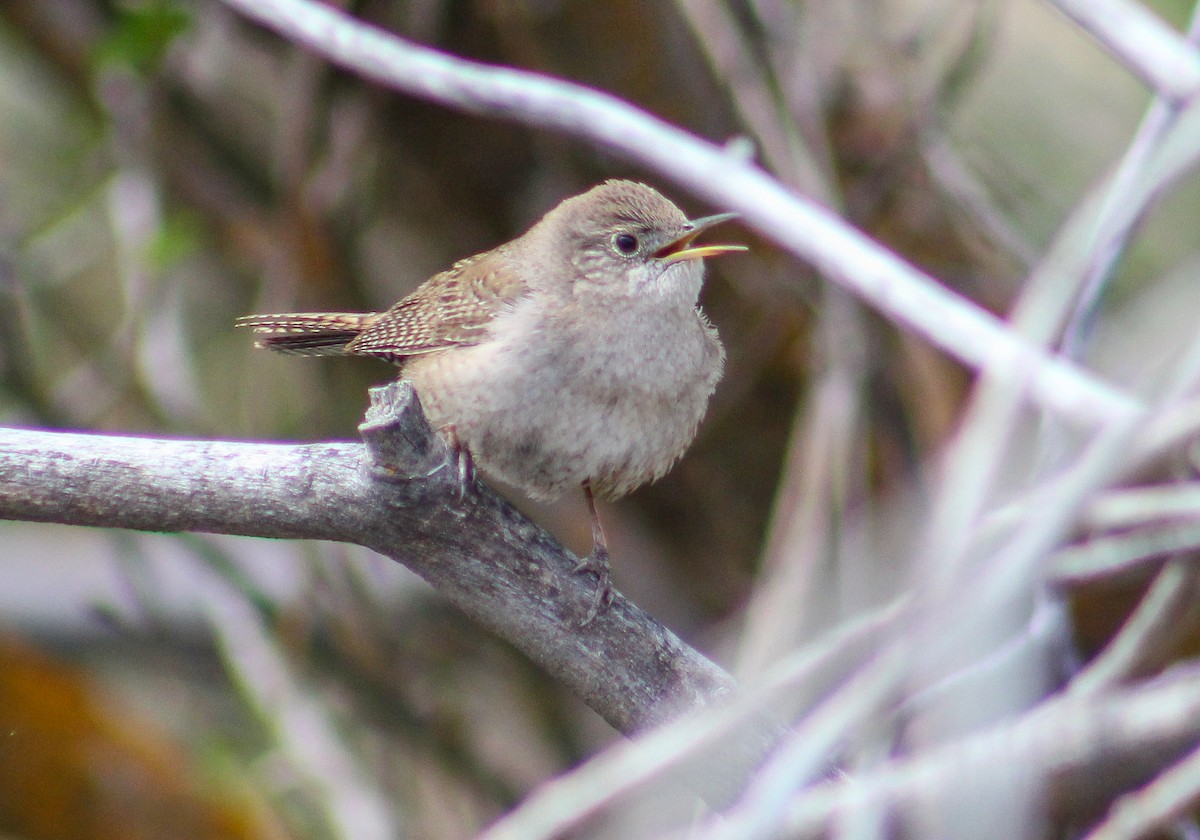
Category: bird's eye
[626,243]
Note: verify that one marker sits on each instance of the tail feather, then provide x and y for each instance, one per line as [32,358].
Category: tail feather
[308,334]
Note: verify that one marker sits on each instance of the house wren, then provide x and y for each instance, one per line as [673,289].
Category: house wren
[574,355]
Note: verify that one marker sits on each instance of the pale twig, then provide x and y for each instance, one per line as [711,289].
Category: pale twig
[1173,428]
[1106,558]
[1000,587]
[299,722]
[1114,227]
[1142,41]
[1155,807]
[1166,615]
[811,748]
[756,98]
[1129,507]
[1046,299]
[1057,747]
[801,527]
[1124,509]
[961,328]
[923,653]
[1013,567]
[627,767]
[814,485]
[957,180]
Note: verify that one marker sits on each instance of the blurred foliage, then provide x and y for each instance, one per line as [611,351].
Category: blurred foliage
[141,34]
[76,768]
[167,167]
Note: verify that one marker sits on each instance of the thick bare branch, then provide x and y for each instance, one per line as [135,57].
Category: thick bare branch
[395,496]
[966,331]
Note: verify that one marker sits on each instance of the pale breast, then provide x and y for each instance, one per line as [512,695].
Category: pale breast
[544,415]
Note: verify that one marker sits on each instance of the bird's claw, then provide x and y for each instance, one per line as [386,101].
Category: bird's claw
[597,564]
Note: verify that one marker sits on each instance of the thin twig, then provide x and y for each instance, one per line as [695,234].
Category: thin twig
[1142,41]
[1166,615]
[613,775]
[1156,806]
[1114,227]
[1120,555]
[1057,746]
[299,723]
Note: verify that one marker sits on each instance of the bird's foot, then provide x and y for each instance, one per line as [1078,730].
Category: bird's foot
[597,564]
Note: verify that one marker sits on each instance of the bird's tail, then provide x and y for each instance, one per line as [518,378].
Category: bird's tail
[308,333]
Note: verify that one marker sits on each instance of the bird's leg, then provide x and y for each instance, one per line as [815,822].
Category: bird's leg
[460,459]
[596,562]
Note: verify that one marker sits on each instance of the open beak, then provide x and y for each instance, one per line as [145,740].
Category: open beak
[681,247]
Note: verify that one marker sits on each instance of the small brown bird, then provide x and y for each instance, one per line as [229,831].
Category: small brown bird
[574,355]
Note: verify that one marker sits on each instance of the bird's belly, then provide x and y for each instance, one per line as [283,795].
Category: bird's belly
[546,424]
